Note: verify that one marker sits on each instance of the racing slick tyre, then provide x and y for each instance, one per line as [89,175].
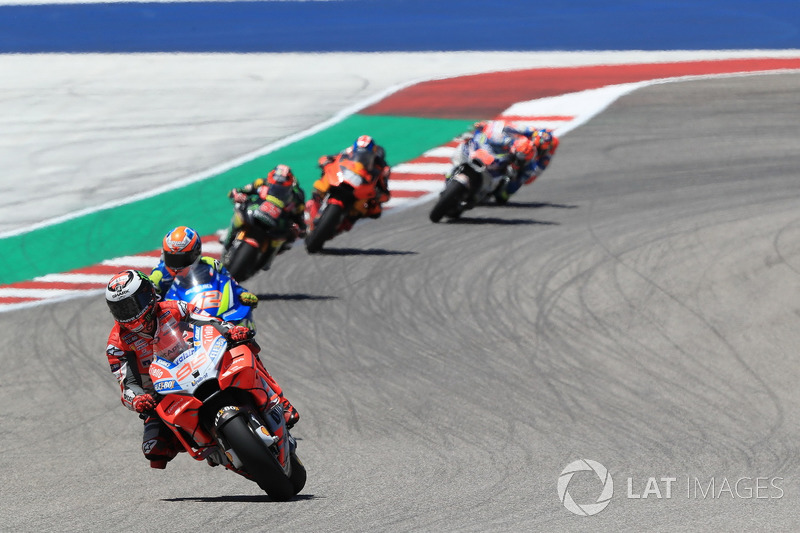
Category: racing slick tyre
[257,459]
[448,201]
[241,260]
[325,228]
[298,476]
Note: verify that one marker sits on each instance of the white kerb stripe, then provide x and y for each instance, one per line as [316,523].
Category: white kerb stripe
[421,168]
[74,278]
[441,151]
[132,261]
[416,185]
[212,248]
[37,293]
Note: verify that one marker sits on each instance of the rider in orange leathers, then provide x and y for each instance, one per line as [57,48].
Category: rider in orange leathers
[380,171]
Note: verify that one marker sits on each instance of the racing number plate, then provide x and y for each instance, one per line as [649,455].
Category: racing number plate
[271,209]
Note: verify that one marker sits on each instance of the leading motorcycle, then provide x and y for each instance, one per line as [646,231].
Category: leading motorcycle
[216,400]
[478,172]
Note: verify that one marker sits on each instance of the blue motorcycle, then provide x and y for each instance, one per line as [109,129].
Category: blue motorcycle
[214,291]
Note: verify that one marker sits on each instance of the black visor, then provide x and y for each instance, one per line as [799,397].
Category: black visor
[180,260]
[132,307]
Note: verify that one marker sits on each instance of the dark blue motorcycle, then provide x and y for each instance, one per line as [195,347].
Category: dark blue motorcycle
[214,291]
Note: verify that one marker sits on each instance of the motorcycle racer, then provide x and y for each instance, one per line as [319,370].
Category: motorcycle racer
[526,153]
[138,315]
[279,187]
[181,250]
[545,144]
[379,169]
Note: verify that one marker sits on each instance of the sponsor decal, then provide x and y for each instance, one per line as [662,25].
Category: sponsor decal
[218,348]
[222,412]
[148,446]
[165,384]
[181,358]
[120,281]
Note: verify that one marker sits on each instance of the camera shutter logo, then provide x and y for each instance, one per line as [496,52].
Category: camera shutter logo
[587,509]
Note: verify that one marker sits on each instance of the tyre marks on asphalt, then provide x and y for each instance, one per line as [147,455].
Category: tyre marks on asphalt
[563,99]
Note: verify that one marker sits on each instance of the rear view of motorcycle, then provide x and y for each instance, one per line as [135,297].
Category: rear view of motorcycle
[349,188]
[214,291]
[259,239]
[216,399]
[476,174]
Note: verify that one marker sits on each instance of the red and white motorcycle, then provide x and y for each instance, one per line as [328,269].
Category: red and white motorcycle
[217,401]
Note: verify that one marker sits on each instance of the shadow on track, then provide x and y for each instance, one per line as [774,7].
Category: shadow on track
[367,251]
[501,221]
[293,297]
[261,498]
[531,205]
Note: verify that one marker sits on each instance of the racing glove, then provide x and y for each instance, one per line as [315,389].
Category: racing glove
[325,160]
[294,230]
[249,299]
[239,334]
[143,403]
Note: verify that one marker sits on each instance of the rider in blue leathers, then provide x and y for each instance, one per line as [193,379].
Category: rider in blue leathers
[526,153]
[182,251]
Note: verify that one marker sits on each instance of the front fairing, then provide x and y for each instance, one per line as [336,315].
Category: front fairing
[185,356]
[188,357]
[211,290]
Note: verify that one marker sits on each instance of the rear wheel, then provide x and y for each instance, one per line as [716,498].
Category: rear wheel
[241,259]
[325,228]
[258,461]
[448,201]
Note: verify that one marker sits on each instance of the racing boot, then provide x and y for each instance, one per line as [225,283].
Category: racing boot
[289,413]
[159,444]
[375,209]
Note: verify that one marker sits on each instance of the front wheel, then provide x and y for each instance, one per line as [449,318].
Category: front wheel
[258,460]
[449,201]
[325,228]
[298,476]
[241,259]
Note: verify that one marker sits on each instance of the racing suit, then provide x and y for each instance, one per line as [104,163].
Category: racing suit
[129,356]
[535,167]
[163,279]
[292,202]
[380,172]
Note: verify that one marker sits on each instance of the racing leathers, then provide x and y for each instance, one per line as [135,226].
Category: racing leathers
[379,169]
[500,137]
[129,356]
[289,198]
[546,145]
[163,279]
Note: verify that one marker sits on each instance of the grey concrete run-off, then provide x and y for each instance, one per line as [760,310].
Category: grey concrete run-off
[636,306]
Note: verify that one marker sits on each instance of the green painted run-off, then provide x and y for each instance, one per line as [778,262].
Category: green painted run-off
[138,227]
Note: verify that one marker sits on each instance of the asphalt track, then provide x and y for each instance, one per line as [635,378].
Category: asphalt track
[636,306]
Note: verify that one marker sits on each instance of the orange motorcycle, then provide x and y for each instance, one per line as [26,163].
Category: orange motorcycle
[348,192]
